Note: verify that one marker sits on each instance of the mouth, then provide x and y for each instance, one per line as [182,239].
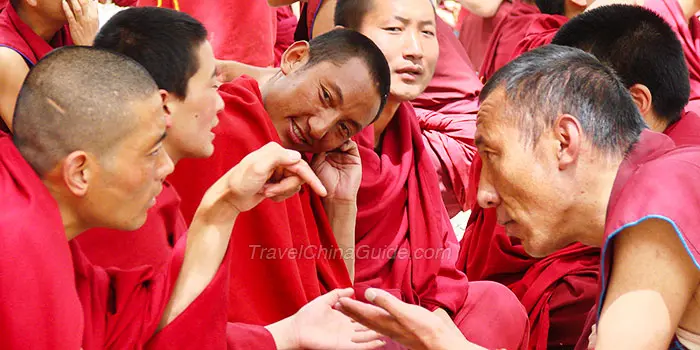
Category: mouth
[410,72]
[297,135]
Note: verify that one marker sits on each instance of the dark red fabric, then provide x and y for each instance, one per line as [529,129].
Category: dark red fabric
[446,114]
[556,291]
[248,337]
[539,33]
[286,25]
[18,36]
[506,36]
[124,3]
[312,7]
[404,240]
[40,307]
[655,156]
[150,245]
[688,31]
[239,30]
[686,131]
[3,3]
[475,32]
[266,285]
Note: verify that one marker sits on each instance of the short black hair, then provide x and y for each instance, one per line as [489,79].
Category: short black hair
[164,41]
[340,45]
[640,46]
[553,80]
[551,7]
[78,98]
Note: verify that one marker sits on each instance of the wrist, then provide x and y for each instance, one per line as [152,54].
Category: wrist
[283,334]
[217,206]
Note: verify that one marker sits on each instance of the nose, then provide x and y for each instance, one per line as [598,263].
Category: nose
[412,48]
[321,124]
[487,196]
[165,166]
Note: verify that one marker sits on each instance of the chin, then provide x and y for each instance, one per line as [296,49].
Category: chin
[536,250]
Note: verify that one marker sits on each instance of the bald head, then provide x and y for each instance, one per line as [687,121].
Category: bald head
[78,98]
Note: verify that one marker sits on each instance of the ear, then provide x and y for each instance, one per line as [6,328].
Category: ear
[579,3]
[569,134]
[296,56]
[338,27]
[642,98]
[76,172]
[31,3]
[168,102]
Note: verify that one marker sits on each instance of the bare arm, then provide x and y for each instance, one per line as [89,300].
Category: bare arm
[227,71]
[12,73]
[652,281]
[241,189]
[278,3]
[342,217]
[482,8]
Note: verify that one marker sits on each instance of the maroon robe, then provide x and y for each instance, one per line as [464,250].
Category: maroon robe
[475,32]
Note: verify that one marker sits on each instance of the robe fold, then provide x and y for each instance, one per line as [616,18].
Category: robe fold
[405,243]
[475,32]
[239,30]
[18,36]
[446,113]
[655,156]
[150,245]
[688,32]
[556,291]
[283,254]
[49,286]
[539,33]
[506,36]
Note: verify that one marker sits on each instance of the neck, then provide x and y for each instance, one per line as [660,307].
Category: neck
[43,27]
[392,105]
[572,10]
[689,7]
[590,220]
[72,225]
[657,124]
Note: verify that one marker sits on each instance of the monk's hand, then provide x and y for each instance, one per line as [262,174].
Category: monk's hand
[270,172]
[319,326]
[340,171]
[83,20]
[412,326]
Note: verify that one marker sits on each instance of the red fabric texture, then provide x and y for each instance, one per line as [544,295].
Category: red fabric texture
[446,114]
[556,291]
[475,32]
[539,33]
[288,245]
[286,25]
[404,240]
[688,32]
[18,36]
[150,245]
[239,30]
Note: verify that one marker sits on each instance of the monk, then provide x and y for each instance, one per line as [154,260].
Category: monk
[650,275]
[324,92]
[240,30]
[28,31]
[401,213]
[477,20]
[65,180]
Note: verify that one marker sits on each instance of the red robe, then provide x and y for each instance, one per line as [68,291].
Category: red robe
[239,30]
[446,114]
[87,306]
[506,36]
[689,35]
[18,36]
[405,243]
[284,254]
[654,157]
[540,33]
[152,244]
[286,24]
[475,32]
[557,291]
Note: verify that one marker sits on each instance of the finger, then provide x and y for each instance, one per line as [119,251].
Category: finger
[388,302]
[77,9]
[359,327]
[69,13]
[265,160]
[304,171]
[369,345]
[365,336]
[332,297]
[287,187]
[371,316]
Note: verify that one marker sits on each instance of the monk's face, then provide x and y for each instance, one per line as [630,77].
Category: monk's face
[128,178]
[405,31]
[195,116]
[520,181]
[317,108]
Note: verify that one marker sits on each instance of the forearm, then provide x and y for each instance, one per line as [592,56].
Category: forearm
[482,8]
[230,70]
[342,217]
[207,242]
[278,3]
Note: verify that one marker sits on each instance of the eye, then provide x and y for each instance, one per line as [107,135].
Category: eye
[326,94]
[429,32]
[392,29]
[156,152]
[346,130]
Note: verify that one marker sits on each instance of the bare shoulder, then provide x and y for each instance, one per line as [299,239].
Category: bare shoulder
[11,60]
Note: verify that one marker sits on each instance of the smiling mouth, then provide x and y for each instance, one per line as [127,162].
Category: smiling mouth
[298,135]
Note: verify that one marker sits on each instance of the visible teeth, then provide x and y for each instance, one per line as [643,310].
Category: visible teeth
[298,133]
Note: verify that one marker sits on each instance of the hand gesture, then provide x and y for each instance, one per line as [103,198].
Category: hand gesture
[340,171]
[270,172]
[413,326]
[82,19]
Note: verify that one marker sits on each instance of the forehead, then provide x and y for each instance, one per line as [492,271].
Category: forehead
[413,10]
[150,119]
[205,60]
[490,120]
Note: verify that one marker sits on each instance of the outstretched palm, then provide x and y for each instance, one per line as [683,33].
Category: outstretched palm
[340,171]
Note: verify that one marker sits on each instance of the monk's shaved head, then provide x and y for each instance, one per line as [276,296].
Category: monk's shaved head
[78,98]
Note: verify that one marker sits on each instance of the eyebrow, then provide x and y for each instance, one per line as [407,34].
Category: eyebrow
[160,139]
[421,23]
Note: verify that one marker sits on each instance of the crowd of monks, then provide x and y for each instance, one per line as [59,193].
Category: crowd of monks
[281,174]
